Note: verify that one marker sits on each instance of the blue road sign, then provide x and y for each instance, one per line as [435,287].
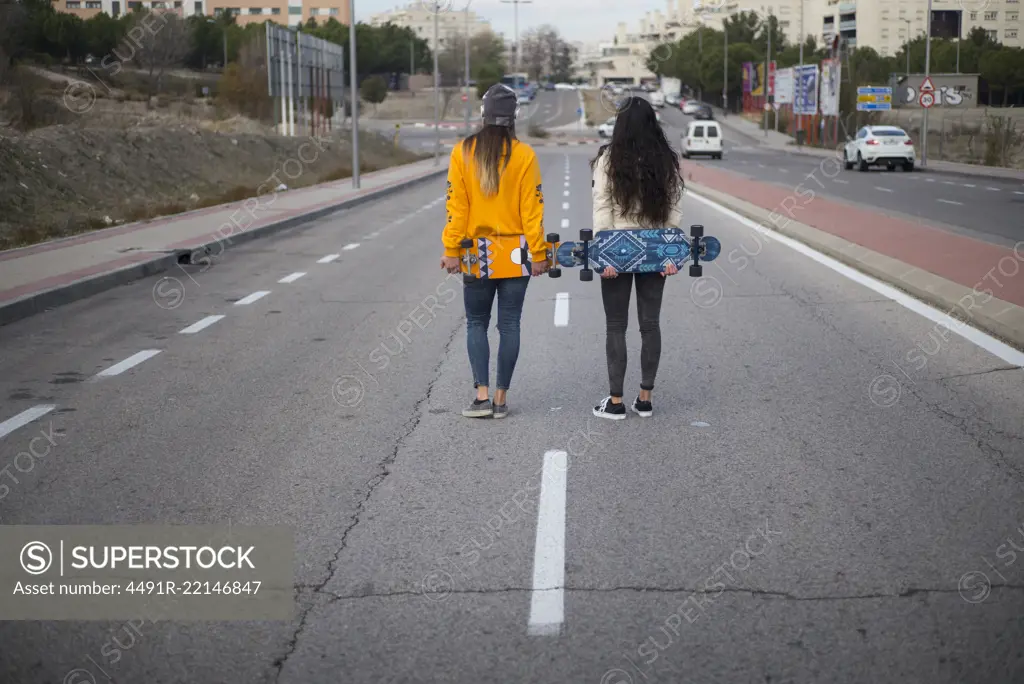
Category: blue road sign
[579,110]
[874,99]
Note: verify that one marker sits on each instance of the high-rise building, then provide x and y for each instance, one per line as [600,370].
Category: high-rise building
[284,12]
[419,17]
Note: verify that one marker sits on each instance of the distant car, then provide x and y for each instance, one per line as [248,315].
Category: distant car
[704,113]
[524,97]
[605,130]
[672,100]
[703,137]
[691,107]
[887,146]
[657,99]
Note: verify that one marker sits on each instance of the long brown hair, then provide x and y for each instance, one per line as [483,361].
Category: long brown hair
[491,148]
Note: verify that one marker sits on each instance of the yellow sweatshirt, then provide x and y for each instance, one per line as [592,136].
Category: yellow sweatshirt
[516,209]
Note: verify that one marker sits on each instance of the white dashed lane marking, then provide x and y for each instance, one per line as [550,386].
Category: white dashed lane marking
[547,604]
[130,362]
[255,296]
[24,418]
[292,278]
[328,259]
[201,325]
[561,309]
[349,247]
[946,201]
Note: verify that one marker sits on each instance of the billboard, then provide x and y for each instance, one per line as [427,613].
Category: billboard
[757,84]
[829,94]
[784,86]
[952,91]
[805,89]
[748,70]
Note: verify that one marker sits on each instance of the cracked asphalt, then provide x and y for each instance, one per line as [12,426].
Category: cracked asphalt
[830,489]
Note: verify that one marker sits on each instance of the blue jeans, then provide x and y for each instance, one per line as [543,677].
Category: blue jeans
[479,297]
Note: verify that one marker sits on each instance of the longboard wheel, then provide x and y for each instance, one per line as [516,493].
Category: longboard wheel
[586,235]
[586,275]
[469,277]
[555,273]
[553,238]
[467,243]
[696,231]
[696,271]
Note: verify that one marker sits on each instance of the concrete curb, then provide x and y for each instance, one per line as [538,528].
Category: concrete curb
[995,317]
[39,302]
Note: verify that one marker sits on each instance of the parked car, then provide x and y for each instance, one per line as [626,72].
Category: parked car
[703,137]
[605,130]
[657,99]
[887,146]
[673,100]
[691,107]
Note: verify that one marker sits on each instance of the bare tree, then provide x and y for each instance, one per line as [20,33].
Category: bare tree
[160,41]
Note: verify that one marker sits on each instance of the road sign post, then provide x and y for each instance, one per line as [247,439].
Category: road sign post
[926,100]
[874,99]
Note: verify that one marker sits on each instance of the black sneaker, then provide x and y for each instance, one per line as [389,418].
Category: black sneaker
[642,408]
[479,409]
[500,411]
[606,409]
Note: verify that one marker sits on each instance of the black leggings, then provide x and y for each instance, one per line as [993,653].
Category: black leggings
[615,293]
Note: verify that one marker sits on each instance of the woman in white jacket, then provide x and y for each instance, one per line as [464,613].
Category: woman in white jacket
[636,184]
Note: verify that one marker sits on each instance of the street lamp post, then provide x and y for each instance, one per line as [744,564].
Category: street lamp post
[725,69]
[466,79]
[767,68]
[437,91]
[907,48]
[519,50]
[353,92]
[803,39]
[927,70]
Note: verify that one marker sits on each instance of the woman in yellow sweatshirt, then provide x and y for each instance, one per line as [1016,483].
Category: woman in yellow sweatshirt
[494,182]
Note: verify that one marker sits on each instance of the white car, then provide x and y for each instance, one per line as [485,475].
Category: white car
[657,99]
[691,107]
[605,130]
[703,137]
[887,146]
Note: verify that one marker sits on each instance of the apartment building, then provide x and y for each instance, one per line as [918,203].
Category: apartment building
[285,12]
[886,24]
[420,19]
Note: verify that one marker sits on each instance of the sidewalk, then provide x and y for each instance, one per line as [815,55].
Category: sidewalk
[54,273]
[783,143]
[967,278]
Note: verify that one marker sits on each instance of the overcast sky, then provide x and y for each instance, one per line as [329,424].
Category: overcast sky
[586,20]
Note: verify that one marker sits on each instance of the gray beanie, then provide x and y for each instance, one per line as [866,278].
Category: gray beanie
[500,105]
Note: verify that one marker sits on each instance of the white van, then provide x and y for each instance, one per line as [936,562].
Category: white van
[703,137]
[657,99]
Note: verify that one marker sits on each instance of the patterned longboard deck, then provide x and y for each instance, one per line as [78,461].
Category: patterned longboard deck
[505,256]
[637,251]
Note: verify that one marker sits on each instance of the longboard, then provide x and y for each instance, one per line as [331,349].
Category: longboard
[501,256]
[638,251]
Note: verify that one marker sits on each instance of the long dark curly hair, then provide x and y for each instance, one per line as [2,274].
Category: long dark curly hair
[643,169]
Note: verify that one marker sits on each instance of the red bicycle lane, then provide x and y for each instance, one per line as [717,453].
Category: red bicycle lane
[977,265]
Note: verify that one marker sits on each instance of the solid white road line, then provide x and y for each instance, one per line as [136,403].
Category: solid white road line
[561,309]
[883,189]
[200,325]
[547,604]
[565,223]
[292,278]
[350,246]
[983,340]
[328,259]
[252,298]
[946,201]
[130,362]
[24,418]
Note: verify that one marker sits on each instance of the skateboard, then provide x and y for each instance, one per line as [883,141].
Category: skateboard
[637,251]
[501,256]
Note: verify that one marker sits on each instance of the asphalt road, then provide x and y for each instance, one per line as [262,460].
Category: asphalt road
[803,507]
[986,208]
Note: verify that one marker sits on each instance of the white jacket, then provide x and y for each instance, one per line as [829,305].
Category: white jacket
[605,215]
